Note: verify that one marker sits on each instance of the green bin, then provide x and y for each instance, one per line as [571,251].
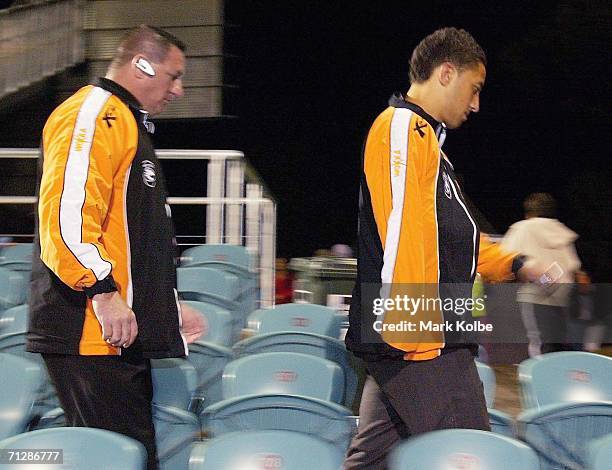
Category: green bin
[319,277]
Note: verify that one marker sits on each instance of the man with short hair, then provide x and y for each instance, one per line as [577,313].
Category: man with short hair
[416,233]
[103,293]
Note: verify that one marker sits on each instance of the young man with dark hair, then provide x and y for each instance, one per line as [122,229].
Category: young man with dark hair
[415,232]
[103,294]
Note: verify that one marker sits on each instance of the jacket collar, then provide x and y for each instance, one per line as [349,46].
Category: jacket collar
[398,101]
[142,116]
[119,91]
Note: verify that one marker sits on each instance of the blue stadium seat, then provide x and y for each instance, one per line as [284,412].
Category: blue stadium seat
[561,433]
[282,391]
[600,453]
[487,377]
[20,387]
[301,318]
[568,401]
[567,376]
[284,372]
[93,449]
[265,450]
[13,288]
[462,448]
[175,432]
[14,320]
[53,418]
[13,328]
[17,257]
[305,343]
[208,285]
[213,254]
[175,381]
[232,259]
[209,359]
[213,287]
[325,420]
[501,423]
[219,322]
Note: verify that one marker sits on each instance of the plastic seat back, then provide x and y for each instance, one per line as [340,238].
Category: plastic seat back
[560,433]
[14,320]
[175,432]
[17,257]
[209,359]
[323,419]
[301,318]
[198,283]
[501,423]
[600,453]
[568,376]
[462,448]
[263,450]
[306,343]
[175,381]
[284,372]
[20,389]
[90,448]
[231,259]
[13,288]
[13,330]
[219,322]
[212,254]
[487,377]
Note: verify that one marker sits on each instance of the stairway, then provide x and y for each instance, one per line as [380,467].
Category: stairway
[38,40]
[198,23]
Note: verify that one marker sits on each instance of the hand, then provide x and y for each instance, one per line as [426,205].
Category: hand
[194,324]
[119,327]
[532,271]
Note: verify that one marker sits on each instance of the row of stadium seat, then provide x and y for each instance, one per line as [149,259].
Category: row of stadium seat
[567,404]
[572,427]
[559,431]
[316,318]
[97,449]
[557,426]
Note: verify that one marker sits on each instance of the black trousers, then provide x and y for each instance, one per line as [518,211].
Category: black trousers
[405,398]
[107,392]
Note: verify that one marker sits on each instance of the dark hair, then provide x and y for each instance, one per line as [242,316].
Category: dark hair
[453,45]
[540,205]
[147,40]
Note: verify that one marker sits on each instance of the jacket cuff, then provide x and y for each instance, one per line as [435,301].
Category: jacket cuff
[517,263]
[101,287]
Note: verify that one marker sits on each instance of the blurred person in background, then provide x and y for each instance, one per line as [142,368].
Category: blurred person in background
[283,291]
[544,309]
[341,250]
[103,296]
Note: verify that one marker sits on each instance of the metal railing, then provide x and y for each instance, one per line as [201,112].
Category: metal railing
[38,40]
[239,208]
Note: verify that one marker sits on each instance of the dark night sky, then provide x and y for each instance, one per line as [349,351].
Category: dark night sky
[312,76]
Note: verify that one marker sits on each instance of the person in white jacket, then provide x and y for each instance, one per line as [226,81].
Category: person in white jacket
[542,236]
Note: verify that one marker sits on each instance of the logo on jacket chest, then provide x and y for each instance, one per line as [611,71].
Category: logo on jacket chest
[148,173]
[447,185]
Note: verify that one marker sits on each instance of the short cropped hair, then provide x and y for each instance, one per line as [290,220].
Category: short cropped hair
[540,205]
[150,41]
[453,45]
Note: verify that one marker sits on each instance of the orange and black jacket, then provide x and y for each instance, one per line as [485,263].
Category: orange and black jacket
[416,237]
[102,219]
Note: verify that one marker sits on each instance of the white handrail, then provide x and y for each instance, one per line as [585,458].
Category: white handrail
[256,211]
